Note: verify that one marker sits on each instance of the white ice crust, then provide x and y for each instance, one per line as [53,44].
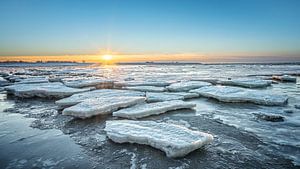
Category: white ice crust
[186,86]
[236,94]
[98,83]
[174,140]
[100,106]
[146,88]
[110,94]
[166,96]
[143,110]
[248,83]
[45,90]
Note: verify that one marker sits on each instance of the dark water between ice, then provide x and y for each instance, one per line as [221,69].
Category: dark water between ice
[34,134]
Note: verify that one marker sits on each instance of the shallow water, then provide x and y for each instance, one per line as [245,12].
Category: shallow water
[241,139]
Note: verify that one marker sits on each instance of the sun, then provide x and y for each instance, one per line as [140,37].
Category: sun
[107,57]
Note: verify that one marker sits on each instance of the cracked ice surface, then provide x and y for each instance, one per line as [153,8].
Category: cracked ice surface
[45,90]
[143,110]
[236,94]
[174,140]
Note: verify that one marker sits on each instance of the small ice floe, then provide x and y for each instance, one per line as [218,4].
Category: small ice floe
[100,106]
[186,86]
[146,88]
[166,96]
[248,83]
[3,82]
[102,93]
[45,90]
[209,80]
[236,94]
[141,83]
[31,80]
[98,83]
[297,106]
[269,117]
[285,78]
[174,140]
[144,110]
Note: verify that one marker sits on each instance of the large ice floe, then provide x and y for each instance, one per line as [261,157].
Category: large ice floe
[109,94]
[248,83]
[100,106]
[146,88]
[143,110]
[31,80]
[174,140]
[186,86]
[45,90]
[236,94]
[166,96]
[141,83]
[98,83]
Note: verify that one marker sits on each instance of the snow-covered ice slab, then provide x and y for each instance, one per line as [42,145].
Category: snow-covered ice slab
[98,83]
[186,86]
[45,90]
[143,110]
[146,88]
[102,93]
[236,94]
[248,83]
[166,96]
[99,106]
[174,140]
[285,78]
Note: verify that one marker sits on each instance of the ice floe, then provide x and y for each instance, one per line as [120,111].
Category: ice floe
[236,94]
[99,106]
[98,83]
[143,110]
[141,83]
[248,83]
[45,90]
[146,88]
[166,96]
[186,86]
[285,78]
[109,94]
[174,140]
[3,82]
[31,80]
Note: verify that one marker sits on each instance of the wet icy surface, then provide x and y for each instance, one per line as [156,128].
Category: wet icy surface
[241,139]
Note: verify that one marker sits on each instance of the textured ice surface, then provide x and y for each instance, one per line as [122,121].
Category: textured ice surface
[143,110]
[166,96]
[236,94]
[186,86]
[98,83]
[102,93]
[174,140]
[285,78]
[248,83]
[146,88]
[45,90]
[98,106]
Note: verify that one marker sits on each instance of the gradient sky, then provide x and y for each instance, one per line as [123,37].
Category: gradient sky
[208,28]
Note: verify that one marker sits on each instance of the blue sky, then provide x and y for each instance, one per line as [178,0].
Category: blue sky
[212,27]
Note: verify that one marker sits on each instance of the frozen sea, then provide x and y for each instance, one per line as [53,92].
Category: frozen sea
[34,133]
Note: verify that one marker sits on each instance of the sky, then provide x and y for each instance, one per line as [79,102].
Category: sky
[151,30]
